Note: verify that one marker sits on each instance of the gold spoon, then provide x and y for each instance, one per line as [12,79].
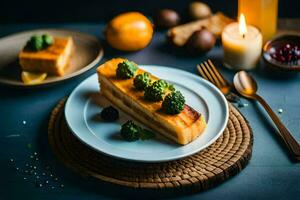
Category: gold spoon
[247,87]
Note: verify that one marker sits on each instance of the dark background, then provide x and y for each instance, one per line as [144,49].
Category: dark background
[50,11]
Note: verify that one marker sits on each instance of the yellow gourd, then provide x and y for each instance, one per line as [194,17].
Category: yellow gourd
[129,31]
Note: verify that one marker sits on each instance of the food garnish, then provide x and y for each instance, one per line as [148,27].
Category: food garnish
[132,132]
[141,81]
[156,91]
[39,42]
[173,103]
[35,43]
[48,40]
[126,70]
[110,114]
[31,78]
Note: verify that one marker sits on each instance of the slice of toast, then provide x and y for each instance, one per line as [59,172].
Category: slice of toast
[216,23]
[52,60]
[181,128]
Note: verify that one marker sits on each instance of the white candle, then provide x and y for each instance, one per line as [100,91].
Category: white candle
[242,45]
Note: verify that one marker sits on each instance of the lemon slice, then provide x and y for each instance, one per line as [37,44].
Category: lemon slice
[31,78]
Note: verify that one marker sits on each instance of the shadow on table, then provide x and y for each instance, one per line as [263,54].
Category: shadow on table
[272,130]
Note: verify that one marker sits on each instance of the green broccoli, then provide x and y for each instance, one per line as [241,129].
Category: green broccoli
[142,81]
[35,43]
[157,90]
[173,103]
[130,131]
[47,40]
[38,42]
[126,70]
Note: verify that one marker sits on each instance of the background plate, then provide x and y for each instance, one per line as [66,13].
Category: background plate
[84,105]
[88,52]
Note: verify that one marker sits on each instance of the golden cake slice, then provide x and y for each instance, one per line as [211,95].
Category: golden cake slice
[53,60]
[181,128]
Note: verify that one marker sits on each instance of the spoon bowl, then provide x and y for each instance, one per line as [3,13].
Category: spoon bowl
[245,84]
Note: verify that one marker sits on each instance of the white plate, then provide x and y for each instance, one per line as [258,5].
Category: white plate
[84,105]
[87,54]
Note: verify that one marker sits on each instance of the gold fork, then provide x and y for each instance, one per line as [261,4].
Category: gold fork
[209,72]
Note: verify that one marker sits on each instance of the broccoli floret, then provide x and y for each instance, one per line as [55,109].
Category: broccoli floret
[35,43]
[38,42]
[110,114]
[126,70]
[157,90]
[130,131]
[173,103]
[171,87]
[47,40]
[162,83]
[142,81]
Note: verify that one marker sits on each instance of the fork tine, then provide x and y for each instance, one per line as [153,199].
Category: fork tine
[205,72]
[212,74]
[202,72]
[217,73]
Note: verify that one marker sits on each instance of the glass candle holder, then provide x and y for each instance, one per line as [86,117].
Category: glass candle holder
[262,14]
[241,51]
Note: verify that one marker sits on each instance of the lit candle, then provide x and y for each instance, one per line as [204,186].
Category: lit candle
[262,14]
[242,45]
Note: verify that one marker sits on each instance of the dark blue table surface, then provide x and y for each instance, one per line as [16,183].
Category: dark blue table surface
[24,115]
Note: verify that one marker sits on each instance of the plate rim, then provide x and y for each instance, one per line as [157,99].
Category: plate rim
[154,160]
[62,78]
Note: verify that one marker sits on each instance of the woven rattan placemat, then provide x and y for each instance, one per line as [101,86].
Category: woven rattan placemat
[223,159]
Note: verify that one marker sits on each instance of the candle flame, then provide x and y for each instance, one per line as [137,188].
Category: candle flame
[242,25]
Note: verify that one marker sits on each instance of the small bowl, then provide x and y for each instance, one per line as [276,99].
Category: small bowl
[279,41]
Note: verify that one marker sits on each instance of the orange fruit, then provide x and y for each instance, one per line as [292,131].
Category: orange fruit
[129,31]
